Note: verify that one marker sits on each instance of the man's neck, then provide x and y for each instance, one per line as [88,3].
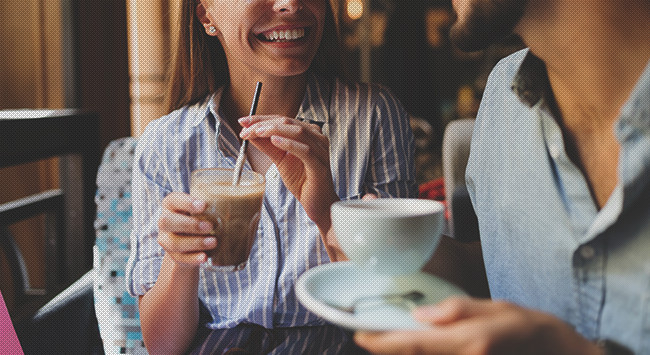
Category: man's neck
[594,52]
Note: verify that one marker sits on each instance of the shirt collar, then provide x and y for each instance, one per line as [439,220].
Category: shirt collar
[202,109]
[316,102]
[531,84]
[314,107]
[635,113]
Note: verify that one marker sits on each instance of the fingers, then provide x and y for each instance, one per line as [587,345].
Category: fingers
[309,155]
[173,222]
[174,243]
[268,126]
[183,237]
[189,258]
[454,309]
[369,197]
[251,120]
[183,203]
[282,126]
[408,342]
[482,327]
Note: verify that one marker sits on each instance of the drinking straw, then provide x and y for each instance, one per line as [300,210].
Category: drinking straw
[242,151]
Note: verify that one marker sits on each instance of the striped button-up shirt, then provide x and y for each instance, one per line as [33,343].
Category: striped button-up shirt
[371,151]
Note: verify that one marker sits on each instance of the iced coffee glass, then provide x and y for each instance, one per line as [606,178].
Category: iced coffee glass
[233,210]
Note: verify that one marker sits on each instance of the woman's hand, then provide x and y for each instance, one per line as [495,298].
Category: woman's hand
[183,237]
[301,153]
[471,326]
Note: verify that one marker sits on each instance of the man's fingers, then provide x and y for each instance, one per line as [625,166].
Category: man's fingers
[454,309]
[183,203]
[403,342]
[465,338]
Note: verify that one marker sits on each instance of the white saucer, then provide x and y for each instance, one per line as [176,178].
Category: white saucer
[341,283]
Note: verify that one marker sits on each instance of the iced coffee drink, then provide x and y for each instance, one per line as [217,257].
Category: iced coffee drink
[233,210]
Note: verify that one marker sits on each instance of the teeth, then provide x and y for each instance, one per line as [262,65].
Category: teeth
[285,35]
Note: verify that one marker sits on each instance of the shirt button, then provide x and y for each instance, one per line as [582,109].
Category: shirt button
[587,252]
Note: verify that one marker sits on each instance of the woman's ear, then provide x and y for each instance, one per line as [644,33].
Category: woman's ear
[201,13]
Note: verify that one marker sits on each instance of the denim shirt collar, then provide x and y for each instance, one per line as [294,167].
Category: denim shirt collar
[532,86]
[632,128]
[531,83]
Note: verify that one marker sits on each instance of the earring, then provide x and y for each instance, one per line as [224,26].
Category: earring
[212,29]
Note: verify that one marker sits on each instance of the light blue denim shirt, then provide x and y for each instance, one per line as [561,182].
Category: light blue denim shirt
[546,245]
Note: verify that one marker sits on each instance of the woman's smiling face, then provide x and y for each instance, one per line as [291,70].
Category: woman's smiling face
[266,37]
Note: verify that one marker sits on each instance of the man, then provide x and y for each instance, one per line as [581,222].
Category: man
[559,175]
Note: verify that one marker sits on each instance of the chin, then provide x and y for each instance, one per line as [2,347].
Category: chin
[288,69]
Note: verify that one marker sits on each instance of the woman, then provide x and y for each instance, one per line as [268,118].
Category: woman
[316,140]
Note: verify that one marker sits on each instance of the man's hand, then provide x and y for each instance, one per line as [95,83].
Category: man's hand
[470,326]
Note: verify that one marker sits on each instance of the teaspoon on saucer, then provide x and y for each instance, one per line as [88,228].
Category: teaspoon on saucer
[412,296]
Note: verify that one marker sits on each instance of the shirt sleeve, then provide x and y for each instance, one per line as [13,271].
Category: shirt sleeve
[150,186]
[392,155]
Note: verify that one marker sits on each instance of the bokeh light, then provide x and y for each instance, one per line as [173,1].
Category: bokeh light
[355,9]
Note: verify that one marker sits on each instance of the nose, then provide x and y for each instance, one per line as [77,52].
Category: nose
[287,6]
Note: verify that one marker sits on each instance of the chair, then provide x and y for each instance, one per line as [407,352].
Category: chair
[117,311]
[96,315]
[463,224]
[31,135]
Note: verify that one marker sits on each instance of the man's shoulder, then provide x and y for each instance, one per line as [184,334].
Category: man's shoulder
[500,120]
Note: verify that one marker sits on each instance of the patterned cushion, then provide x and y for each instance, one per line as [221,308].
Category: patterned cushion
[117,312]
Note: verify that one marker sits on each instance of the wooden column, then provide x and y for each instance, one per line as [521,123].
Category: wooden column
[150,24]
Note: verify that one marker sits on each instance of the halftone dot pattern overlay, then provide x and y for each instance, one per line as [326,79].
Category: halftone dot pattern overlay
[117,311]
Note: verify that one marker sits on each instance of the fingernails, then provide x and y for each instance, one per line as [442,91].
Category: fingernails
[205,226]
[261,130]
[244,121]
[198,205]
[245,133]
[210,242]
[277,140]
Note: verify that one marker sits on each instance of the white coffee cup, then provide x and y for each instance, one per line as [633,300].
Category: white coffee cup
[388,235]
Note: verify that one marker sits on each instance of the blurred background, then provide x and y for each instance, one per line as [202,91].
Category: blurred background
[111,57]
